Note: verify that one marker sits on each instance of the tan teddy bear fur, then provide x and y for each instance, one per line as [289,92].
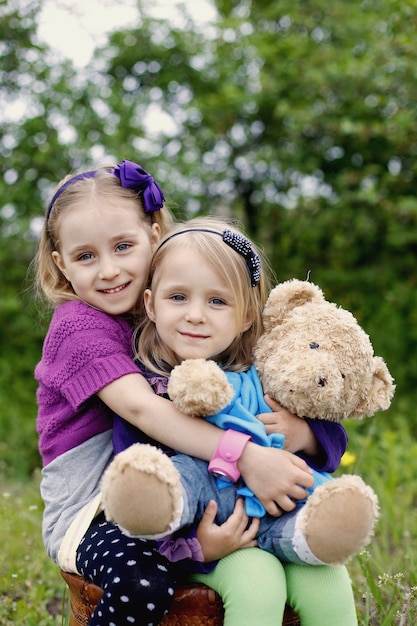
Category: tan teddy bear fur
[316,360]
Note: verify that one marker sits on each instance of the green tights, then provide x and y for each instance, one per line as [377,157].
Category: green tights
[255,586]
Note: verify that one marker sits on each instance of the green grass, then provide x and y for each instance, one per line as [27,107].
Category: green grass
[383,451]
[31,590]
[384,576]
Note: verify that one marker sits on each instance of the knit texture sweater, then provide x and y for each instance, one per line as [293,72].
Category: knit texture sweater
[84,350]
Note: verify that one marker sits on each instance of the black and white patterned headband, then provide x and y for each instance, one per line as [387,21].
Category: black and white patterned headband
[237,242]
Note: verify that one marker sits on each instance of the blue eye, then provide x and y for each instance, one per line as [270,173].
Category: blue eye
[314,345]
[122,247]
[87,256]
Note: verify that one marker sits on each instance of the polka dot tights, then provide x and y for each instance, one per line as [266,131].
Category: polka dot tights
[138,582]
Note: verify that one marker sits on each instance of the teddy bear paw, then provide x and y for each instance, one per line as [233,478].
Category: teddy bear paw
[338,519]
[141,492]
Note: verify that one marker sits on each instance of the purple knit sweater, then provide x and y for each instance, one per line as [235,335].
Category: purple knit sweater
[84,350]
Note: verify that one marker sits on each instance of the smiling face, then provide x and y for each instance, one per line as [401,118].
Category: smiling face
[105,252]
[192,306]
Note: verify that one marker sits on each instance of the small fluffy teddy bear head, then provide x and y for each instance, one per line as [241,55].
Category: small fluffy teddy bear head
[315,359]
[199,387]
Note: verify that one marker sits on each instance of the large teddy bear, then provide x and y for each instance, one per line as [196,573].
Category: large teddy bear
[315,360]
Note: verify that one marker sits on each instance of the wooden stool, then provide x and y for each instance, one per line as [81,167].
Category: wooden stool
[193,605]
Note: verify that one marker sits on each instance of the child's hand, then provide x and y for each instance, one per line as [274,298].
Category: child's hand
[276,477]
[219,541]
[298,435]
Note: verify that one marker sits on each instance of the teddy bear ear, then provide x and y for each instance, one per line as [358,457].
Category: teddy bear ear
[381,392]
[287,296]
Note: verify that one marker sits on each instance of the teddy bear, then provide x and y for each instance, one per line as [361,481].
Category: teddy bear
[315,360]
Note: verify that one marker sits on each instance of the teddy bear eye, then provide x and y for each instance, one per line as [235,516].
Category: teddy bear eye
[314,345]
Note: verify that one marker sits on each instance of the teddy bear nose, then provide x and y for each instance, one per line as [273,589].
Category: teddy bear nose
[322,382]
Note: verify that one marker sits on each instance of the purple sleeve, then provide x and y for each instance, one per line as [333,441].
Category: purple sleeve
[332,439]
[180,548]
[84,351]
[186,548]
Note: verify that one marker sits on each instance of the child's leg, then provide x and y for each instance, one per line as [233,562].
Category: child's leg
[138,582]
[252,585]
[321,595]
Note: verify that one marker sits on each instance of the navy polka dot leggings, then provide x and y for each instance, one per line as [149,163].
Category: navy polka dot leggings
[137,581]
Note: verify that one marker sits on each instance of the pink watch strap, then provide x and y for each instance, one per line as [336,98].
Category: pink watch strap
[228,452]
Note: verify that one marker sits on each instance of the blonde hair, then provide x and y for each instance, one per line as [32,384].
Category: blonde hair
[232,265]
[50,283]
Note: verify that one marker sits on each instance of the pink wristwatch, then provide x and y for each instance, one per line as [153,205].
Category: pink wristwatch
[228,452]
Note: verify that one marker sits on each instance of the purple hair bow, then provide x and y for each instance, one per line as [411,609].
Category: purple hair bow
[133,176]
